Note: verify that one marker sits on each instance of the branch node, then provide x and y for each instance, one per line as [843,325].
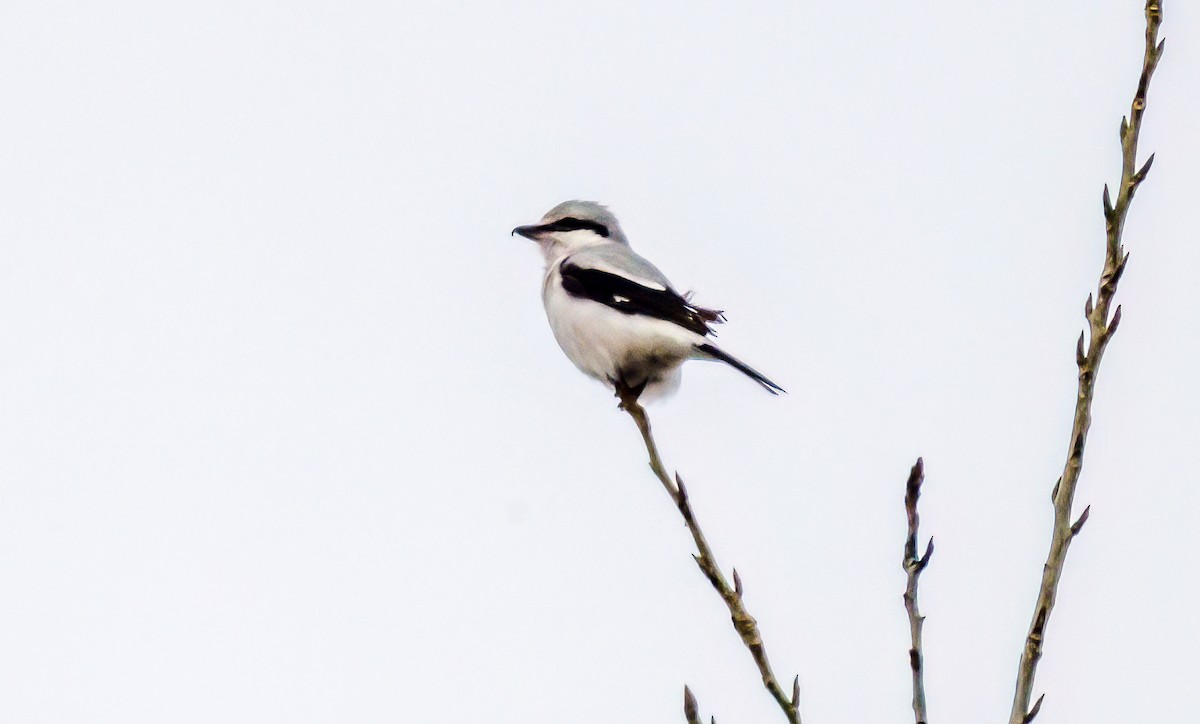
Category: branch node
[1077,448]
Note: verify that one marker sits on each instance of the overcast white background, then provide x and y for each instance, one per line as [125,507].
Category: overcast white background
[284,436]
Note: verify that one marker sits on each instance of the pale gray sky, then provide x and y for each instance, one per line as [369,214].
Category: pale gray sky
[284,436]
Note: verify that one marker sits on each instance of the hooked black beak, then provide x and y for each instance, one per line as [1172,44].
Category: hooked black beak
[529,232]
[534,232]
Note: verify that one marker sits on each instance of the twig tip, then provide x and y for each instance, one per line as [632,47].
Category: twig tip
[916,476]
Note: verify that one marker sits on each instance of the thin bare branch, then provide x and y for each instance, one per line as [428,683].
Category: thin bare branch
[743,622]
[913,565]
[1101,329]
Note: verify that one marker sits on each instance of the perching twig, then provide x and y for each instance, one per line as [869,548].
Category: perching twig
[1102,329]
[743,622]
[913,566]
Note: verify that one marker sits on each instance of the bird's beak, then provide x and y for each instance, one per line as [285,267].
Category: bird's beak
[529,232]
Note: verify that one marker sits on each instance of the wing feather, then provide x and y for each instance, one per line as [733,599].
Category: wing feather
[631,297]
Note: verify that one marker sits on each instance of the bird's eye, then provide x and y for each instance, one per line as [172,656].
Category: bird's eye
[570,223]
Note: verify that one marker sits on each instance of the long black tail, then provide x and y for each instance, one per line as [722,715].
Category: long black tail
[720,354]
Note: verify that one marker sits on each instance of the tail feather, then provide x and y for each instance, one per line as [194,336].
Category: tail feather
[720,354]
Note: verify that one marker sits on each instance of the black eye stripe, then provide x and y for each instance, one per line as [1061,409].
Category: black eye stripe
[570,223]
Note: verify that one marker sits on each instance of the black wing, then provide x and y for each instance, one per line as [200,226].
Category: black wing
[629,297]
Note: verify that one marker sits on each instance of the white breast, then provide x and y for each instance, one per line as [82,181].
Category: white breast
[607,344]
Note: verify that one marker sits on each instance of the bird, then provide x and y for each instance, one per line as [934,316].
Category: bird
[615,315]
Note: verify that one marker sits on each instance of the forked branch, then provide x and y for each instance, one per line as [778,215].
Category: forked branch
[743,622]
[1101,327]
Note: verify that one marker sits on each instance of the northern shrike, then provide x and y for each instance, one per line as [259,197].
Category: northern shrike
[614,313]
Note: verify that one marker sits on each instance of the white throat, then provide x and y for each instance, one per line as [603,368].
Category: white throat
[558,246]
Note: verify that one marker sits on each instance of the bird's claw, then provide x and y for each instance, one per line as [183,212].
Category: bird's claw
[627,394]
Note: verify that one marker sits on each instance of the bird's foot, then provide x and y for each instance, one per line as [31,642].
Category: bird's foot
[627,394]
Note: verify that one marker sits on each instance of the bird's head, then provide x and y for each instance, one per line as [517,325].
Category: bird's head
[573,225]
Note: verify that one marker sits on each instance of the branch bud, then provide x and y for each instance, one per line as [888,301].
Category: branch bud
[690,708]
[1037,706]
[1078,525]
[1140,176]
[1116,319]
